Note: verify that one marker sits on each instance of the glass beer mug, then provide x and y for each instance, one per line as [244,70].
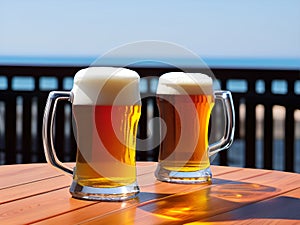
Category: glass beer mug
[106,108]
[185,102]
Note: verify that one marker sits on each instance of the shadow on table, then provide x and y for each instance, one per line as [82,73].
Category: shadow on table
[216,199]
[281,208]
[208,203]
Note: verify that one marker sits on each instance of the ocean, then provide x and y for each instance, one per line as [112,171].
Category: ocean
[278,87]
[225,62]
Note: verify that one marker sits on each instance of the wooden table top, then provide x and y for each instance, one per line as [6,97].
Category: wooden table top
[38,194]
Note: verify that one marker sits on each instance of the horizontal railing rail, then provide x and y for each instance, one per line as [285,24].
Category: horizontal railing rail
[24,90]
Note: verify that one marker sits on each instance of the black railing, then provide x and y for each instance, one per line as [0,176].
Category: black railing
[21,113]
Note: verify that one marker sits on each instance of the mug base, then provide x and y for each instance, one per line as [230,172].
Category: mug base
[121,193]
[199,176]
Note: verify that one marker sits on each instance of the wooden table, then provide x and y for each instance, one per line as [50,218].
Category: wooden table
[38,194]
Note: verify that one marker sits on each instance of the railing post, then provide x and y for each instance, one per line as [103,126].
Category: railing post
[289,139]
[250,134]
[268,136]
[10,130]
[26,134]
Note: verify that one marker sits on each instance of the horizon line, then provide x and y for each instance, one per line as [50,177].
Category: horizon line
[236,62]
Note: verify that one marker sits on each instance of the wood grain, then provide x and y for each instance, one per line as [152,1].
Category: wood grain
[37,193]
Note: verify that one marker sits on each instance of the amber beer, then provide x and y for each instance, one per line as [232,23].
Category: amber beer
[194,111]
[185,102]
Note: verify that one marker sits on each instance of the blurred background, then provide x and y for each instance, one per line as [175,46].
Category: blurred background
[252,47]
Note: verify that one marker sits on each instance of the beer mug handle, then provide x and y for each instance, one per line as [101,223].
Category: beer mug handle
[227,138]
[47,130]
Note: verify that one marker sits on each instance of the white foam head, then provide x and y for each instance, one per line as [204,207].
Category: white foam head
[106,86]
[180,83]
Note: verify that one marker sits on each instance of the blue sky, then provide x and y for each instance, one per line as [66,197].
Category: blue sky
[210,28]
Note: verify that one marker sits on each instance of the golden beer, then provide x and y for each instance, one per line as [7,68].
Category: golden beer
[106,107]
[106,130]
[106,110]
